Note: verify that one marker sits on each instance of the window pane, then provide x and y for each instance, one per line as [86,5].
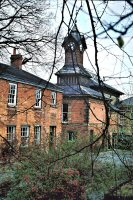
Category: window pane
[38,98]
[25,135]
[12,94]
[54,98]
[71,136]
[37,134]
[65,107]
[11,131]
[65,113]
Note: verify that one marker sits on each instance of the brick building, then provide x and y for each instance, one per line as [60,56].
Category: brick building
[34,111]
[83,105]
[30,108]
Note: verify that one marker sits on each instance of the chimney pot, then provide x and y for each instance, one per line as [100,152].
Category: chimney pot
[16,59]
[14,51]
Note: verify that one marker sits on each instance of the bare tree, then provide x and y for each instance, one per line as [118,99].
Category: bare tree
[26,25]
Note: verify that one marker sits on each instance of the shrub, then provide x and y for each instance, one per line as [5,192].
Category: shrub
[39,179]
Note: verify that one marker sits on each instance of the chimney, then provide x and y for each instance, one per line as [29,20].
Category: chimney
[16,59]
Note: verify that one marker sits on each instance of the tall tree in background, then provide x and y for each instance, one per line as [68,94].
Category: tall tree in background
[26,25]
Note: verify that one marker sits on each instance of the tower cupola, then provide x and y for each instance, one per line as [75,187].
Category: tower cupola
[74,45]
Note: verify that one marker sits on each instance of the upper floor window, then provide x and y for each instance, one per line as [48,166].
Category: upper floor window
[25,131]
[54,98]
[12,95]
[11,132]
[37,136]
[65,113]
[38,98]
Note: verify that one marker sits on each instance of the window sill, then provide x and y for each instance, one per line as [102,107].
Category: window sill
[65,122]
[54,106]
[38,108]
[11,106]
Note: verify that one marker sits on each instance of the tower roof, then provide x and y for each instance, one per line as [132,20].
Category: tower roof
[75,35]
[73,69]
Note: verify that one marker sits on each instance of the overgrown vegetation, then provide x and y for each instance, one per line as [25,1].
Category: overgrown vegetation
[45,175]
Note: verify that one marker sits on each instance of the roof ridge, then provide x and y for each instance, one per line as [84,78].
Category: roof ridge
[26,77]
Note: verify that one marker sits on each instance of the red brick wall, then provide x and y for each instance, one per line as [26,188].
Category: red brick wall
[25,112]
[78,116]
[77,111]
[97,111]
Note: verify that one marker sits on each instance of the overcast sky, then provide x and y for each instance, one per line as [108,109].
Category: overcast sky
[113,62]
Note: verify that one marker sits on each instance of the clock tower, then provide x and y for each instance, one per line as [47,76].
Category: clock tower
[74,45]
[73,71]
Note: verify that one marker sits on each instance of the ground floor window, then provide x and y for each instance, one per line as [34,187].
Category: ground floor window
[25,131]
[37,134]
[11,133]
[72,136]
[52,135]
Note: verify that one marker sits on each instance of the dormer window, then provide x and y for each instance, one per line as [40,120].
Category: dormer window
[38,98]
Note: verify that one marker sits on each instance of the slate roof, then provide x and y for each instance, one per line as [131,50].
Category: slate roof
[14,74]
[114,107]
[90,87]
[92,79]
[76,69]
[77,90]
[95,85]
[127,102]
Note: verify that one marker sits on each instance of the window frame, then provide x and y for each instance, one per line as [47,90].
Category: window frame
[27,137]
[65,113]
[38,96]
[12,97]
[53,136]
[54,98]
[73,136]
[37,140]
[11,133]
